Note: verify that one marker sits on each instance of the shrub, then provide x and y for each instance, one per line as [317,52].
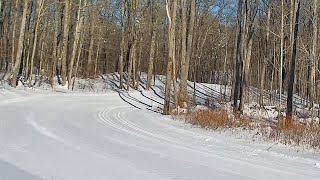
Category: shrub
[217,119]
[297,133]
[293,133]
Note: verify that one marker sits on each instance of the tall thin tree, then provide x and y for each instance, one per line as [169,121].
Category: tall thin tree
[313,55]
[65,41]
[19,53]
[39,9]
[293,61]
[172,26]
[155,11]
[122,44]
[76,40]
[185,61]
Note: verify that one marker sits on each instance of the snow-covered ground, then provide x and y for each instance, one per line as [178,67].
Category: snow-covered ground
[113,134]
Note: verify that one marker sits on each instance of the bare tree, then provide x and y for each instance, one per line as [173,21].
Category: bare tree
[133,44]
[183,82]
[248,30]
[313,55]
[238,57]
[39,10]
[122,45]
[76,41]
[293,60]
[15,19]
[172,26]
[55,55]
[155,14]
[90,52]
[20,44]
[65,42]
[281,56]
[187,41]
[191,37]
[1,18]
[267,54]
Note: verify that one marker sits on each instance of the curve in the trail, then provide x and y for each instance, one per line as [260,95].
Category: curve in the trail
[102,137]
[109,116]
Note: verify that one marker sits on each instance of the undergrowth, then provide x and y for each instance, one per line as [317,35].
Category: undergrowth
[217,119]
[292,134]
[297,133]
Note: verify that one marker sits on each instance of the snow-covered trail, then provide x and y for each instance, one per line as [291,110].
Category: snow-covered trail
[93,137]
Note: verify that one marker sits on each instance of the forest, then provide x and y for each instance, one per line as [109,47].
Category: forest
[159,89]
[262,50]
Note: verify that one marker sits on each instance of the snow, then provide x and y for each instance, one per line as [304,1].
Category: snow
[103,134]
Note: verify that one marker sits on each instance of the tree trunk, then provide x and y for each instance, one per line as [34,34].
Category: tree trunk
[225,73]
[133,47]
[238,57]
[65,42]
[1,18]
[76,41]
[293,63]
[281,57]
[267,55]
[183,81]
[35,41]
[189,42]
[77,62]
[138,68]
[55,68]
[90,68]
[153,44]
[122,45]
[14,34]
[172,26]
[20,44]
[313,58]
[243,53]
[249,27]
[97,55]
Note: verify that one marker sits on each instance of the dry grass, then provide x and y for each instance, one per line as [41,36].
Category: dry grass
[293,134]
[298,134]
[218,119]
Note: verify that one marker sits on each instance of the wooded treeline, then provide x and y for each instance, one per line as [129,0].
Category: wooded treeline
[262,46]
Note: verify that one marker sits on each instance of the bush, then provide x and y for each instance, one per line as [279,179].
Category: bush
[297,133]
[217,119]
[293,133]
